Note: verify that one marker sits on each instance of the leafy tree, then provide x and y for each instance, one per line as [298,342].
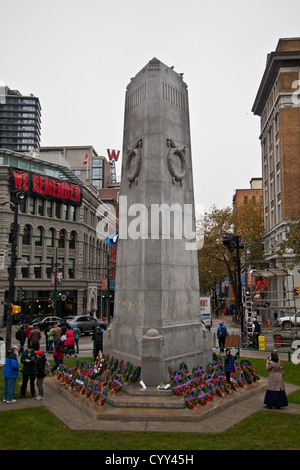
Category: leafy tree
[249,225]
[214,258]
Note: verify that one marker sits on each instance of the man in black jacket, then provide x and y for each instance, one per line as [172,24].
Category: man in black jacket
[98,340]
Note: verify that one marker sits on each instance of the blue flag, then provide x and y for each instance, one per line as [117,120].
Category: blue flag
[113,239]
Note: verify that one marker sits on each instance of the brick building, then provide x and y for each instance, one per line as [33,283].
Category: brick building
[277,104]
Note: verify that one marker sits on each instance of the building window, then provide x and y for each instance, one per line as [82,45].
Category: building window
[73,213]
[39,236]
[270,135]
[32,205]
[50,237]
[272,190]
[62,239]
[276,124]
[279,212]
[57,210]
[66,211]
[97,173]
[72,242]
[49,267]
[25,267]
[278,182]
[72,268]
[50,208]
[41,204]
[277,153]
[26,235]
[23,205]
[38,267]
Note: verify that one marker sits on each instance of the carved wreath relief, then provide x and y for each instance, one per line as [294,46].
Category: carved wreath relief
[176,161]
[133,162]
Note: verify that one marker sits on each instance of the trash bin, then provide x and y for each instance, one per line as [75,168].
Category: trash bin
[261,343]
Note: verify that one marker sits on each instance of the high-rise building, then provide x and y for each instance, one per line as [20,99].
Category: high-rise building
[278,105]
[20,121]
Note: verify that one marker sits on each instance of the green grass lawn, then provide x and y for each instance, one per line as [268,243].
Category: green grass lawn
[38,429]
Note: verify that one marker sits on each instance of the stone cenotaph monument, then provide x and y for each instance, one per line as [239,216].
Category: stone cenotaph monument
[156,322]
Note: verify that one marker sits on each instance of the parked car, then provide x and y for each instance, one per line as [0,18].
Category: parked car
[46,321]
[86,324]
[289,320]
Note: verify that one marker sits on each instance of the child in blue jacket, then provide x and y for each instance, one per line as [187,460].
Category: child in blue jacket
[229,363]
[10,374]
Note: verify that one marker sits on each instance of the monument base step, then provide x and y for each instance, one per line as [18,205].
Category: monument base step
[145,405]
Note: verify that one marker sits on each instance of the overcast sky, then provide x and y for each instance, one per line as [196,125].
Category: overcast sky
[78,57]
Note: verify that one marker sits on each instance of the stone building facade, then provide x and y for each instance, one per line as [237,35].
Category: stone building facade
[53,236]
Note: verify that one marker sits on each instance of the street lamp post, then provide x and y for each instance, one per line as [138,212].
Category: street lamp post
[233,242]
[19,196]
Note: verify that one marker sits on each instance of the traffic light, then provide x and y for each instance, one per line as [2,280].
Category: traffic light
[296,290]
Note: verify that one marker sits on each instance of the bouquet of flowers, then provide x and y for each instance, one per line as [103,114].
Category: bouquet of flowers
[117,383]
[96,392]
[136,372]
[89,389]
[103,395]
[203,397]
[191,398]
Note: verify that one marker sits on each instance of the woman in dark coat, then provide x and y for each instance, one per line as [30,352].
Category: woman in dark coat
[275,394]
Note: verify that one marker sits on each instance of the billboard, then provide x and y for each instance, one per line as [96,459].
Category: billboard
[36,185]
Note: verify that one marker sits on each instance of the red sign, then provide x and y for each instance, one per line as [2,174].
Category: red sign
[104,284]
[113,154]
[40,185]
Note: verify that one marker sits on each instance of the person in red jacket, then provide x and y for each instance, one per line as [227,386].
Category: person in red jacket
[59,353]
[70,342]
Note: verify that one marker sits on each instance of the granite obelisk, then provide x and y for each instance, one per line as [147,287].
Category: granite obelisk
[156,322]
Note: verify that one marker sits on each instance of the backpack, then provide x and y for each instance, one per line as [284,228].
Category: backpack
[222,334]
[47,368]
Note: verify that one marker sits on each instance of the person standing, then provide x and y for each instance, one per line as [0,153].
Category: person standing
[10,374]
[76,332]
[50,340]
[35,337]
[256,332]
[98,339]
[27,333]
[28,359]
[40,373]
[229,363]
[221,335]
[70,342]
[59,350]
[21,337]
[275,396]
[56,333]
